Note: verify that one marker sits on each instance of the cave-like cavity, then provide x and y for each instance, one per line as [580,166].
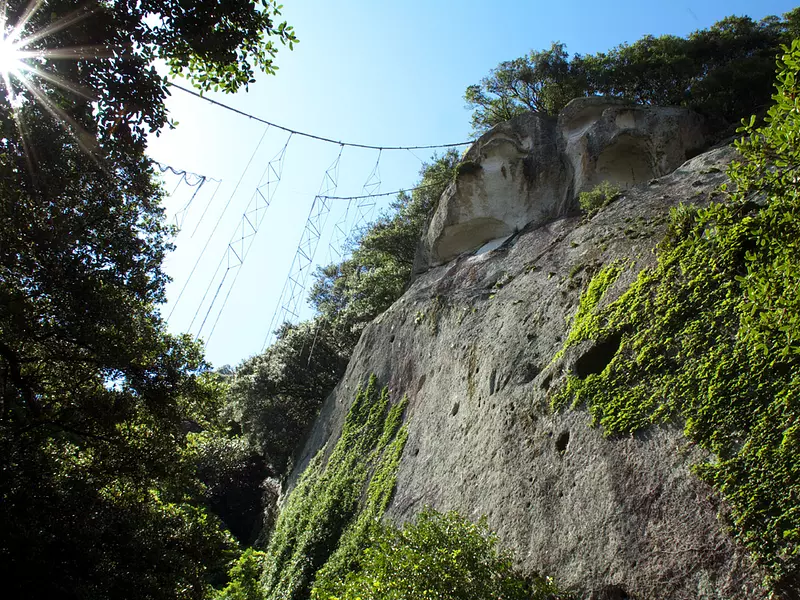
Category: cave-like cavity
[625,163]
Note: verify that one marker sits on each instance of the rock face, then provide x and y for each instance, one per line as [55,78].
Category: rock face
[528,171]
[472,344]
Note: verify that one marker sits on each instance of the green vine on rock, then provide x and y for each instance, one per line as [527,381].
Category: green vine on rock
[323,525]
[711,337]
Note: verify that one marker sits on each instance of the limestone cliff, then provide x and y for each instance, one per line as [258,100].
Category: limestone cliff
[472,343]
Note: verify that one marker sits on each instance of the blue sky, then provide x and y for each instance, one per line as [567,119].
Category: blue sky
[378,73]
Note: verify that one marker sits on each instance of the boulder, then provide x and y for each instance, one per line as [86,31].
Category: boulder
[529,171]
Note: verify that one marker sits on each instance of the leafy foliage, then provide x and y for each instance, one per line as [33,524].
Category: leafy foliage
[598,197]
[244,578]
[542,82]
[99,495]
[711,337]
[724,71]
[438,556]
[336,502]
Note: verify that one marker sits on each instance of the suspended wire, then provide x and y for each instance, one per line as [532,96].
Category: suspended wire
[308,135]
[183,174]
[184,177]
[252,218]
[295,284]
[394,193]
[205,210]
[211,235]
[415,156]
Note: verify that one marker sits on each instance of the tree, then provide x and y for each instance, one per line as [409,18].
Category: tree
[542,82]
[99,495]
[275,396]
[724,71]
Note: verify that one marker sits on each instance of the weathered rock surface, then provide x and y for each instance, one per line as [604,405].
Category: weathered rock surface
[528,171]
[471,343]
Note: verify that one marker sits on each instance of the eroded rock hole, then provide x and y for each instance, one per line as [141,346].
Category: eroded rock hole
[594,360]
[626,163]
[562,442]
[612,592]
[547,381]
[454,411]
[492,381]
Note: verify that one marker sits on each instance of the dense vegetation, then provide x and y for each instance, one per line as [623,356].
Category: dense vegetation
[322,527]
[127,467]
[711,338]
[437,556]
[99,495]
[725,71]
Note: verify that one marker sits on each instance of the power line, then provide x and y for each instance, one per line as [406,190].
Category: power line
[211,235]
[309,135]
[394,193]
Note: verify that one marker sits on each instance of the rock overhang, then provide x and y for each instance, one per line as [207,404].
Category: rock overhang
[529,171]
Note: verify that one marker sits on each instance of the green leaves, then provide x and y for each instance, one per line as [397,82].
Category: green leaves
[323,526]
[724,71]
[439,556]
[711,337]
[98,489]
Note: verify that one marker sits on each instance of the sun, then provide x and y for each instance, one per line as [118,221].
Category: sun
[10,58]
[27,58]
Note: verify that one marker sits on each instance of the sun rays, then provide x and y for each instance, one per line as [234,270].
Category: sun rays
[26,61]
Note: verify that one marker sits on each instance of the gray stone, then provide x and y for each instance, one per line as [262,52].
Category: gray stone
[605,517]
[528,171]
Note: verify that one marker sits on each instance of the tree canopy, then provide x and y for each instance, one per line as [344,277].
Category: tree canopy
[725,71]
[99,495]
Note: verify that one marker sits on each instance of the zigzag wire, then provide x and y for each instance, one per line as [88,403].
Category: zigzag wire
[294,287]
[244,234]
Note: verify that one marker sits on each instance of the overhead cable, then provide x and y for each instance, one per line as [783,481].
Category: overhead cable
[394,193]
[211,235]
[309,135]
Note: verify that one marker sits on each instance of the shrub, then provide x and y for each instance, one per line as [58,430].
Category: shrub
[602,194]
[244,578]
[438,556]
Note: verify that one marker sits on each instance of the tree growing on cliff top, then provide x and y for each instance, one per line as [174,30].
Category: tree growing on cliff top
[724,71]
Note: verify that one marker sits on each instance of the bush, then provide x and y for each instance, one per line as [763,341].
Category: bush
[244,578]
[602,194]
[439,556]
